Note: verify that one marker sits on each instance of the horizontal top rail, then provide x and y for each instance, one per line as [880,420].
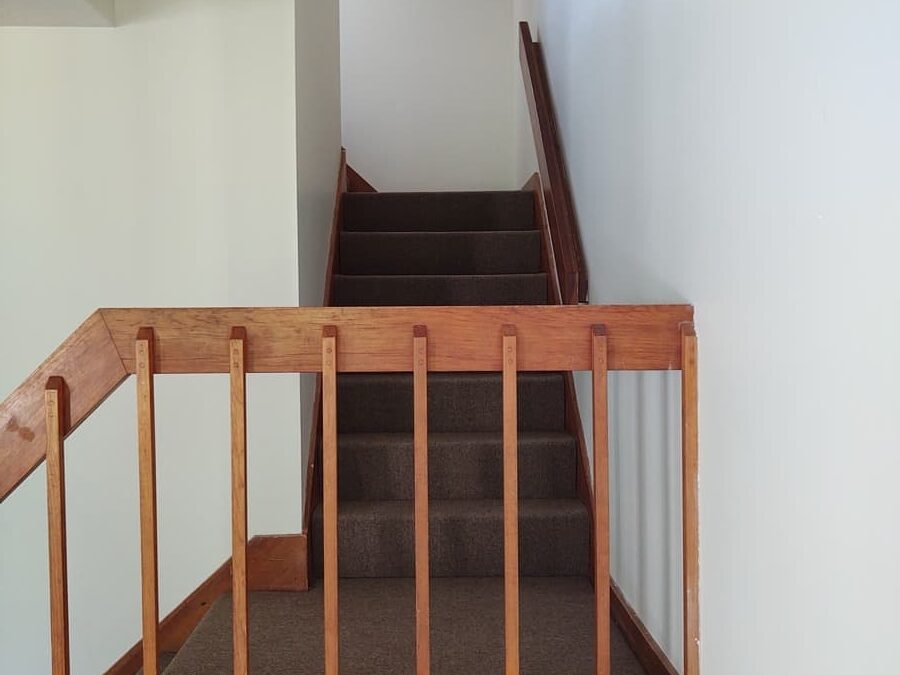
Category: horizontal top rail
[99,355]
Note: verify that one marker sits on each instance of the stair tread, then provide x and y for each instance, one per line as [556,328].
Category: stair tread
[378,630]
[393,290]
[440,253]
[442,437]
[456,402]
[465,538]
[438,211]
[461,465]
[441,508]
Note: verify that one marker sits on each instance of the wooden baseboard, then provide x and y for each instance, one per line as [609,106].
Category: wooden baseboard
[277,563]
[274,563]
[647,650]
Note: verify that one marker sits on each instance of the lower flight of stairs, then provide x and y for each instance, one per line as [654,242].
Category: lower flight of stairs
[437,249]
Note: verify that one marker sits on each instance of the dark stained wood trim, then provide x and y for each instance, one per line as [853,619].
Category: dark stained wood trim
[542,222]
[175,629]
[651,656]
[569,257]
[572,414]
[356,183]
[275,563]
[312,494]
[647,650]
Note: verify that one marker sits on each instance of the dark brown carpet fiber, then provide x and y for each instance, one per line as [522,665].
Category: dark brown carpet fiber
[437,249]
[378,623]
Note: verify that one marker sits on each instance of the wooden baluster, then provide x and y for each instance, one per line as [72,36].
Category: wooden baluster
[689,500]
[329,498]
[599,354]
[56,407]
[144,366]
[238,353]
[510,500]
[420,434]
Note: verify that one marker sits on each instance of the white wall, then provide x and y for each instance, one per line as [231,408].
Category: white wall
[318,72]
[152,164]
[83,13]
[427,94]
[742,155]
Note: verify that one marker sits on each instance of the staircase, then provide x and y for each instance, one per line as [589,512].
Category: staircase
[476,248]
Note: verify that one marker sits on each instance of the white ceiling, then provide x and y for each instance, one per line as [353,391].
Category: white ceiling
[57,12]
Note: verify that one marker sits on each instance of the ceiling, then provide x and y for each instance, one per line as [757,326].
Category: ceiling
[57,13]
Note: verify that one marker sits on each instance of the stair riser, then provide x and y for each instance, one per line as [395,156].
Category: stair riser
[455,403]
[466,545]
[438,211]
[430,291]
[383,470]
[433,253]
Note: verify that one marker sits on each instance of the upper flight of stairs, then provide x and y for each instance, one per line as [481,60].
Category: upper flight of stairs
[470,248]
[449,249]
[474,248]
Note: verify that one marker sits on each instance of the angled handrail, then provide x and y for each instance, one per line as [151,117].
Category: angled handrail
[567,252]
[99,355]
[114,343]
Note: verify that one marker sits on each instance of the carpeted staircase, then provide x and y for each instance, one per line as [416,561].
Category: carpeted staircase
[477,248]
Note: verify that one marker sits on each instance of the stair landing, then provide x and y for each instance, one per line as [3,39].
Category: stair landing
[378,628]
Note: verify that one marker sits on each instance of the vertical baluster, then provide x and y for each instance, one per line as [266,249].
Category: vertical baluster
[601,497]
[56,406]
[238,352]
[689,503]
[420,442]
[329,497]
[510,500]
[144,365]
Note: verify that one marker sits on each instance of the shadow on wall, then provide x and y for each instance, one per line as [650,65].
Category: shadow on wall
[609,197]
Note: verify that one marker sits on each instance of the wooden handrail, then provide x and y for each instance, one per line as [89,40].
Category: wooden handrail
[98,357]
[567,253]
[238,341]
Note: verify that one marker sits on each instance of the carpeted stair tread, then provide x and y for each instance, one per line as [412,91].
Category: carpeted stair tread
[377,630]
[433,290]
[465,538]
[468,465]
[438,211]
[165,658]
[456,402]
[431,253]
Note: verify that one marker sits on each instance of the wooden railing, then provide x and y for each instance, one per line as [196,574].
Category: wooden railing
[566,252]
[116,343]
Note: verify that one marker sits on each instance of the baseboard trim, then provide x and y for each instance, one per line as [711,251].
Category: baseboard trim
[274,563]
[647,650]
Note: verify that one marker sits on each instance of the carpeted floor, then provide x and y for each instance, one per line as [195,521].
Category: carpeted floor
[437,249]
[378,624]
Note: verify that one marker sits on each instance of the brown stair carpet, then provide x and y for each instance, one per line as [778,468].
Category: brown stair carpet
[378,628]
[475,248]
